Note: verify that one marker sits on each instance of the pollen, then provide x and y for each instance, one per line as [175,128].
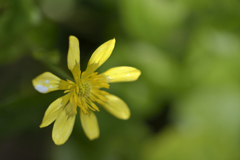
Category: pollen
[83,89]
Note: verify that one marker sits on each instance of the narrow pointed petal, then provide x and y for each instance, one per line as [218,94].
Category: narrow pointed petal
[63,125]
[90,125]
[122,74]
[54,110]
[99,56]
[117,107]
[73,53]
[46,82]
[76,72]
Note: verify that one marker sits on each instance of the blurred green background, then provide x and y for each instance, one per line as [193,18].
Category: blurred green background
[185,105]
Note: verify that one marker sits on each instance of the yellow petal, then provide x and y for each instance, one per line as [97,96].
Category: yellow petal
[63,126]
[90,125]
[99,56]
[117,107]
[122,74]
[73,53]
[46,82]
[54,110]
[76,72]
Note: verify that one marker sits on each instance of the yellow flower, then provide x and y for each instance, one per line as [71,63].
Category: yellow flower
[83,92]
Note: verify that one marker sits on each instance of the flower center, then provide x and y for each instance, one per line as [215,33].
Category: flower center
[84,89]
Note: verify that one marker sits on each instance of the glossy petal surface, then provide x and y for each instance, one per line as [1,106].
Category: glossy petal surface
[54,110]
[73,53]
[90,125]
[63,126]
[100,55]
[122,74]
[117,107]
[46,82]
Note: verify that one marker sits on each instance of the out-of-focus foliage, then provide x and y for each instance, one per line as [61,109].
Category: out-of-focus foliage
[185,106]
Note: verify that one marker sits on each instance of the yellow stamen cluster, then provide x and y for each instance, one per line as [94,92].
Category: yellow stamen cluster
[85,91]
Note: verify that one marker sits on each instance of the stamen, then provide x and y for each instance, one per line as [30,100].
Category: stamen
[93,105]
[83,106]
[94,98]
[83,89]
[75,102]
[66,91]
[86,91]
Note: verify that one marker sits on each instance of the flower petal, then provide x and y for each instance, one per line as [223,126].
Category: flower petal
[117,107]
[90,125]
[63,125]
[99,56]
[122,74]
[54,110]
[46,82]
[73,53]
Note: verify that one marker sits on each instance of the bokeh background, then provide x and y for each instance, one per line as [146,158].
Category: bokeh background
[185,105]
